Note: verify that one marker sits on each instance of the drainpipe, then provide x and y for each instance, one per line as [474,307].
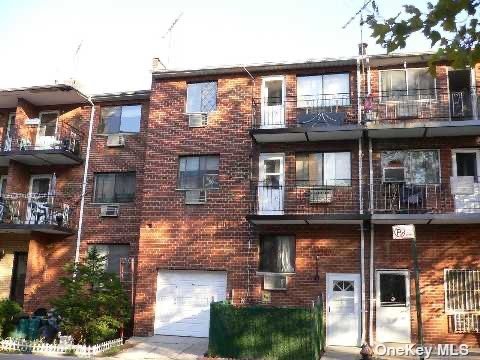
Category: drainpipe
[359,87]
[84,183]
[372,238]
[362,270]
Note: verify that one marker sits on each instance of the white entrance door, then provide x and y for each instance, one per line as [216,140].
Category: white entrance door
[271,184]
[393,306]
[47,130]
[273,102]
[343,309]
[183,301]
[465,180]
[38,209]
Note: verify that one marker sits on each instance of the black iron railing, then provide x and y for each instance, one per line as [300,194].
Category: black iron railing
[305,197]
[64,137]
[37,209]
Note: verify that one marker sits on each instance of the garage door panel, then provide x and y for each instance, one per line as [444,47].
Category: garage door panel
[183,301]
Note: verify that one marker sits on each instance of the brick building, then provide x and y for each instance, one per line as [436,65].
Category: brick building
[273,183]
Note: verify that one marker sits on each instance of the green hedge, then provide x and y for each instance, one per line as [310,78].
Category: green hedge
[266,332]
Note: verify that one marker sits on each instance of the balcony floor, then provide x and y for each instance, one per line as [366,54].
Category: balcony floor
[306,219]
[303,134]
[39,228]
[40,157]
[448,218]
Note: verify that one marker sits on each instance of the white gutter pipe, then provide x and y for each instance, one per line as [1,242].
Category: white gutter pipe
[372,244]
[362,270]
[84,183]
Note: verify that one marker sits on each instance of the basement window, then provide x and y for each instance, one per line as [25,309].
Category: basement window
[277,254]
[120,119]
[201,97]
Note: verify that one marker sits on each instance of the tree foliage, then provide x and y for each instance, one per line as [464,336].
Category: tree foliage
[8,311]
[452,25]
[94,305]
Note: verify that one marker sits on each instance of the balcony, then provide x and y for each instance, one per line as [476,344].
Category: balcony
[421,113]
[44,213]
[312,118]
[454,202]
[34,147]
[305,203]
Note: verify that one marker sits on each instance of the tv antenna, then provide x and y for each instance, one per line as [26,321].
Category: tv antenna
[168,34]
[359,12]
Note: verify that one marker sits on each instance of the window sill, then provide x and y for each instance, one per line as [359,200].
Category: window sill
[262,273]
[121,134]
[113,203]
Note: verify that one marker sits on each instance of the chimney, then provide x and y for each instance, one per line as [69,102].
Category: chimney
[362,48]
[157,65]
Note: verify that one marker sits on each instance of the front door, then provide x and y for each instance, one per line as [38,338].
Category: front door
[393,306]
[38,210]
[343,309]
[273,102]
[7,146]
[459,87]
[19,273]
[47,130]
[271,184]
[465,185]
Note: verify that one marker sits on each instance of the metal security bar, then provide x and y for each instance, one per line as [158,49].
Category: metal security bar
[462,291]
[465,323]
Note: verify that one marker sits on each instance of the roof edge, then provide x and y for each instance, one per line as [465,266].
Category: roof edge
[122,96]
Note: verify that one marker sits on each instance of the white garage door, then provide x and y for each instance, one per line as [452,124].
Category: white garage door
[183,301]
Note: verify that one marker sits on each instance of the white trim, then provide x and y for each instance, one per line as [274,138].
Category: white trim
[263,96]
[475,151]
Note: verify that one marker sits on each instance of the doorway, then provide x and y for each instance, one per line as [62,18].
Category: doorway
[19,273]
[273,102]
[465,184]
[460,93]
[271,184]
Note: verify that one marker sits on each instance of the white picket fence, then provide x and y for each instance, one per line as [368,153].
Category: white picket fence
[22,345]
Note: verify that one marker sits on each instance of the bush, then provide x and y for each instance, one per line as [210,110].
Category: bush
[94,306]
[258,332]
[8,311]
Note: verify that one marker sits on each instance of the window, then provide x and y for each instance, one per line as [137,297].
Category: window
[393,289]
[277,254]
[202,97]
[48,123]
[113,254]
[406,84]
[198,172]
[323,90]
[462,290]
[466,164]
[120,119]
[421,166]
[3,185]
[115,187]
[331,169]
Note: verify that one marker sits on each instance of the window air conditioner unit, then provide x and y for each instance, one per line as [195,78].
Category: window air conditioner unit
[109,210]
[32,121]
[394,174]
[115,140]
[274,282]
[194,197]
[197,120]
[320,195]
[462,185]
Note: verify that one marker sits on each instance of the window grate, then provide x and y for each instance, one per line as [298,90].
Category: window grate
[465,323]
[462,291]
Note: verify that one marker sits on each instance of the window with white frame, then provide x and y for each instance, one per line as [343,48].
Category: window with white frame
[201,97]
[120,119]
[419,166]
[323,90]
[328,168]
[407,84]
[462,290]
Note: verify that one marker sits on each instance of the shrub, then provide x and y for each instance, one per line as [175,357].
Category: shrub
[94,306]
[8,311]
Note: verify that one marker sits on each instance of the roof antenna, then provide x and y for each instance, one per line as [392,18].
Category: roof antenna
[168,34]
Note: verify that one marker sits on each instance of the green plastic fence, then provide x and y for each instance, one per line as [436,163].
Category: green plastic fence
[258,332]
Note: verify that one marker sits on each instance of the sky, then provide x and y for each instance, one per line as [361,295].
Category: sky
[108,45]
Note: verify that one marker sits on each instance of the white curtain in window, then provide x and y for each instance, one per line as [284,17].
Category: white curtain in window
[284,252]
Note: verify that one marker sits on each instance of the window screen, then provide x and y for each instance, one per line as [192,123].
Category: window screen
[198,172]
[330,169]
[120,119]
[115,187]
[277,254]
[393,289]
[202,97]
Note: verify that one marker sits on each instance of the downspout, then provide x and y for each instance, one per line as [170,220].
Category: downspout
[372,239]
[362,270]
[84,183]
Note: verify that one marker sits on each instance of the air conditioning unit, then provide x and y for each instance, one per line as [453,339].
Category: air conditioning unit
[197,120]
[394,174]
[115,140]
[32,121]
[194,197]
[274,282]
[109,210]
[320,195]
[462,185]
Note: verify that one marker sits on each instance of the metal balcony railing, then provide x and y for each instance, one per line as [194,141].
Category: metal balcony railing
[451,196]
[420,104]
[37,209]
[305,198]
[64,137]
[305,111]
